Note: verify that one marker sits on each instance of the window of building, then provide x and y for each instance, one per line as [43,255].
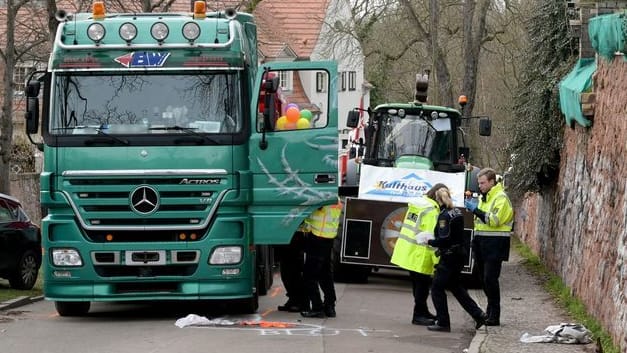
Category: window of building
[321,82]
[343,81]
[286,80]
[20,74]
[352,80]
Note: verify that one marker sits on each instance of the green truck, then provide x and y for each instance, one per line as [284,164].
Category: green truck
[173,159]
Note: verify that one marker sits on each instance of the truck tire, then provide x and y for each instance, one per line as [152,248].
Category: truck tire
[265,264]
[72,308]
[247,305]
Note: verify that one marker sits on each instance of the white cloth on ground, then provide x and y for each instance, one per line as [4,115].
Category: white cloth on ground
[563,333]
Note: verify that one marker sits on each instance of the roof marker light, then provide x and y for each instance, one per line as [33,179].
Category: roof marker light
[128,31]
[200,9]
[191,31]
[96,32]
[98,10]
[159,31]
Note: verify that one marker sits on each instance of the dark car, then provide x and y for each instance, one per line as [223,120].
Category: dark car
[20,245]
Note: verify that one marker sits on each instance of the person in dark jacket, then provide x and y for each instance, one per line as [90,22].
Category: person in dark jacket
[291,258]
[449,233]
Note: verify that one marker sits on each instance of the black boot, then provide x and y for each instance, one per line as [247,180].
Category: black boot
[439,328]
[492,322]
[319,313]
[291,306]
[329,311]
[422,320]
[480,321]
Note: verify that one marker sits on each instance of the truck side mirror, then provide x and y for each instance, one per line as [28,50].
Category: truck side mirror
[269,113]
[32,115]
[353,119]
[271,85]
[485,127]
[32,89]
[32,107]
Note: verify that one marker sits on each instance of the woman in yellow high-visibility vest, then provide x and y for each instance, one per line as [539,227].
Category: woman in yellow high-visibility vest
[412,253]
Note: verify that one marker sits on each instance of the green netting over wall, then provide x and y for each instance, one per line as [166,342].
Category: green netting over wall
[608,33]
[571,86]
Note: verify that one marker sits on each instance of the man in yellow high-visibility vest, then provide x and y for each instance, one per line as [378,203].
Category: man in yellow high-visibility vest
[323,225]
[494,218]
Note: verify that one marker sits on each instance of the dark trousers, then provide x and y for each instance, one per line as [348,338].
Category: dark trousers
[447,276]
[420,284]
[490,271]
[291,258]
[318,273]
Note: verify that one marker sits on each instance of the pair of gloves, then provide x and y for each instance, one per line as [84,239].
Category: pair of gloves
[471,204]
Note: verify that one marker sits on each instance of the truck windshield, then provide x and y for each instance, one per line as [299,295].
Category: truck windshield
[413,135]
[145,104]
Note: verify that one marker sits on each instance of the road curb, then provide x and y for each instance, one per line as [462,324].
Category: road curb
[477,341]
[19,301]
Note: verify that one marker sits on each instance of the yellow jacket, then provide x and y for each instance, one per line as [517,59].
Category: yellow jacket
[408,254]
[325,221]
[499,214]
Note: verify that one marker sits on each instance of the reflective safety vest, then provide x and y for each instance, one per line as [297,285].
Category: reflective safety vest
[499,214]
[325,221]
[408,254]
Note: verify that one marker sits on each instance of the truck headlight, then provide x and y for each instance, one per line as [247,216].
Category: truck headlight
[226,255]
[128,31]
[66,257]
[96,32]
[159,31]
[191,31]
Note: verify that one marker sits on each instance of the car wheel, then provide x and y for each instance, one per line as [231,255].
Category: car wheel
[72,308]
[26,272]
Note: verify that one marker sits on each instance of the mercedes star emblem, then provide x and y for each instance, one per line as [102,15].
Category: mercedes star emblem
[144,200]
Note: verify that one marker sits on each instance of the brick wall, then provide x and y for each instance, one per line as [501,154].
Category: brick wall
[579,228]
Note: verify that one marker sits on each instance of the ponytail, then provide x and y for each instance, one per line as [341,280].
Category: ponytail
[443,197]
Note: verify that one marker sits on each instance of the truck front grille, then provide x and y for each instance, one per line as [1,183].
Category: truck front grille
[117,203]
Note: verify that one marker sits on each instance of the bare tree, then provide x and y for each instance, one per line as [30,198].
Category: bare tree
[22,40]
[449,37]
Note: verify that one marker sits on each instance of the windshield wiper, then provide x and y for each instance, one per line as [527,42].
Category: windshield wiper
[424,118]
[109,138]
[189,131]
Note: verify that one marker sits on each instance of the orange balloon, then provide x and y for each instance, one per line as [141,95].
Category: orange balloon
[290,125]
[293,114]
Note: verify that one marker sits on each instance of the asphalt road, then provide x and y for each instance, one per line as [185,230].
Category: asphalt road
[373,317]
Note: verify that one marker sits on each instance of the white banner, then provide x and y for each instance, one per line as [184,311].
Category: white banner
[405,185]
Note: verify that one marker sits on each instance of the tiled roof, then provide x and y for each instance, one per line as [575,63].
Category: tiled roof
[294,22]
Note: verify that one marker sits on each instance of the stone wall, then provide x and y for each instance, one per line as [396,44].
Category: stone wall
[579,228]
